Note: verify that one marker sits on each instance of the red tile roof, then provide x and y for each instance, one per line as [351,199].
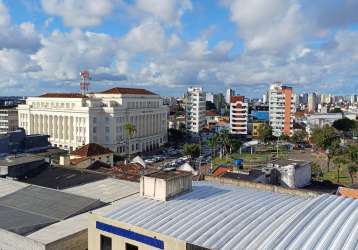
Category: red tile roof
[132,171]
[63,95]
[210,113]
[221,170]
[348,192]
[239,98]
[91,149]
[130,91]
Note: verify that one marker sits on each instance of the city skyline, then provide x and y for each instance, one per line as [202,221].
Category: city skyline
[170,46]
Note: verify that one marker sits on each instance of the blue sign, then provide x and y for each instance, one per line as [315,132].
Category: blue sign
[130,235]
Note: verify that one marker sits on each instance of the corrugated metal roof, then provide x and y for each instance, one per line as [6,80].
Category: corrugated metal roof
[107,190]
[10,186]
[227,217]
[48,202]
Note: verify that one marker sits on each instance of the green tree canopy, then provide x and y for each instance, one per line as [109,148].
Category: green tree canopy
[344,124]
[265,133]
[191,149]
[326,139]
[299,136]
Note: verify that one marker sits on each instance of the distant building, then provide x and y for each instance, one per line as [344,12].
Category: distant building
[219,102]
[8,119]
[318,120]
[281,109]
[18,142]
[207,215]
[229,93]
[195,109]
[73,120]
[312,103]
[210,97]
[238,115]
[89,154]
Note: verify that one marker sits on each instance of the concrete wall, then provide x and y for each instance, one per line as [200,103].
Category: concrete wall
[260,186]
[118,242]
[12,241]
[77,241]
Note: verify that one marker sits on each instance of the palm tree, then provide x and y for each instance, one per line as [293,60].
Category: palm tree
[352,169]
[339,161]
[213,141]
[225,138]
[130,130]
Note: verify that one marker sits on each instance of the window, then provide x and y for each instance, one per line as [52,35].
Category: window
[106,243]
[131,247]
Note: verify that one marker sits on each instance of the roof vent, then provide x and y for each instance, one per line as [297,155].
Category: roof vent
[164,185]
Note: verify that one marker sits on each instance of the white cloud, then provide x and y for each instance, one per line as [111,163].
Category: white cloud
[263,25]
[79,14]
[13,61]
[4,15]
[168,11]
[63,55]
[146,37]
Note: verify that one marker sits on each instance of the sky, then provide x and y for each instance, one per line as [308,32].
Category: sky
[168,45]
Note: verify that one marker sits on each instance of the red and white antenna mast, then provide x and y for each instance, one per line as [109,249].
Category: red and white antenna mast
[84,84]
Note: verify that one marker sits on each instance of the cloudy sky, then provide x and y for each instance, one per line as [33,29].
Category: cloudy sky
[168,45]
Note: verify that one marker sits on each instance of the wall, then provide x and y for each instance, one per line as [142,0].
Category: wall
[260,186]
[118,242]
[12,241]
[77,241]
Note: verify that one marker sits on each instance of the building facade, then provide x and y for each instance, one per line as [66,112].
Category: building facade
[281,109]
[238,115]
[195,109]
[229,93]
[312,103]
[8,119]
[73,120]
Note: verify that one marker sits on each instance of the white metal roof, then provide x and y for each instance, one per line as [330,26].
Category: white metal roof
[9,186]
[106,190]
[70,226]
[227,217]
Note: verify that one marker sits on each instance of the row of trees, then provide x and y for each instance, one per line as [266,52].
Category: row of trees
[328,140]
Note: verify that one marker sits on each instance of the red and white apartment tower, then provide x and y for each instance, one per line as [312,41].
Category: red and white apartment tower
[238,115]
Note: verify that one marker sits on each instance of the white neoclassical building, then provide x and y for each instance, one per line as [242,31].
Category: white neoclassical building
[73,119]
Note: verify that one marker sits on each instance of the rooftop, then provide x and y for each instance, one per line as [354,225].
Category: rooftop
[61,177]
[27,209]
[63,95]
[91,149]
[166,175]
[218,216]
[130,91]
[107,190]
[19,159]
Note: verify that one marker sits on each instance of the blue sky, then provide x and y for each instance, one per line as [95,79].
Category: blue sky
[168,45]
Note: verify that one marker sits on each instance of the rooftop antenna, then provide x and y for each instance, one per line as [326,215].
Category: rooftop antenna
[84,84]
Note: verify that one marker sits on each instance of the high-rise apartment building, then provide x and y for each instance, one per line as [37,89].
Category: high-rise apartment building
[8,119]
[195,109]
[229,93]
[281,109]
[238,115]
[312,103]
[73,120]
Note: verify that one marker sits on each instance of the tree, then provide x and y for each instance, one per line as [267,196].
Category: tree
[130,130]
[339,161]
[175,135]
[352,169]
[326,139]
[299,136]
[344,124]
[336,110]
[226,141]
[265,133]
[210,105]
[192,149]
[213,142]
